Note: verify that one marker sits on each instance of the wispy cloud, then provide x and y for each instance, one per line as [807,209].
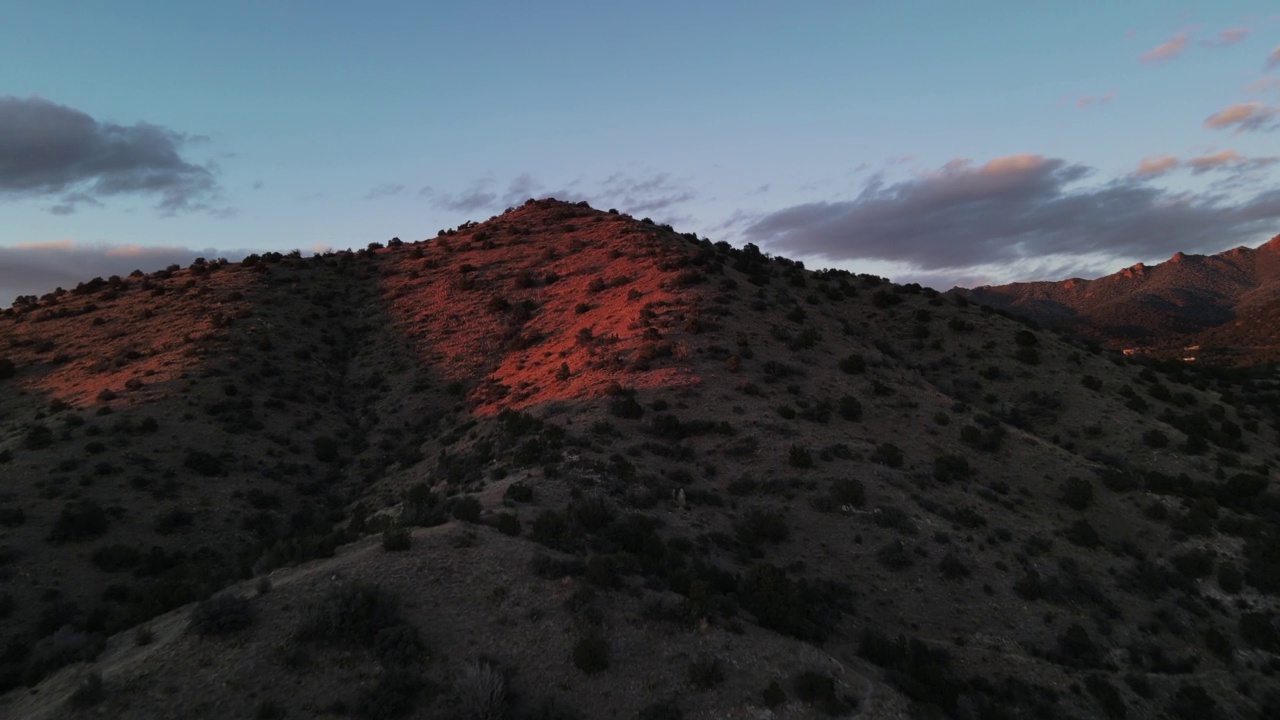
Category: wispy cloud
[1228,160]
[1089,101]
[1263,85]
[1273,60]
[1011,211]
[48,149]
[1157,165]
[385,190]
[636,194]
[1228,37]
[40,267]
[1168,50]
[1245,117]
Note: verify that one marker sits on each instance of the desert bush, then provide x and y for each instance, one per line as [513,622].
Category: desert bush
[203,463]
[1091,382]
[1192,702]
[12,517]
[518,492]
[466,508]
[761,525]
[591,651]
[705,672]
[773,694]
[221,615]
[1082,534]
[798,457]
[853,364]
[953,568]
[1155,438]
[1076,493]
[396,539]
[849,491]
[508,524]
[88,692]
[393,695]
[1107,697]
[481,691]
[887,454]
[63,647]
[818,690]
[1027,355]
[79,520]
[950,468]
[325,449]
[849,408]
[361,613]
[1230,579]
[7,368]
[114,558]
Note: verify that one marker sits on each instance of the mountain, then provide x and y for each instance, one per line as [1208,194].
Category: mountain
[566,463]
[1226,305]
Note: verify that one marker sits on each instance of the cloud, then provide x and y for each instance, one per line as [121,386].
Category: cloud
[1010,213]
[50,149]
[38,268]
[1228,160]
[1157,165]
[386,190]
[1228,37]
[651,193]
[1167,51]
[1263,85]
[1245,117]
[1273,60]
[1089,101]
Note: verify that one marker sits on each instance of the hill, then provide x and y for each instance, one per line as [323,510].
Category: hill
[1224,305]
[566,463]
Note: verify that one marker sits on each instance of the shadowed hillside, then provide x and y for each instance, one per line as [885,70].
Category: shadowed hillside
[568,464]
[1223,304]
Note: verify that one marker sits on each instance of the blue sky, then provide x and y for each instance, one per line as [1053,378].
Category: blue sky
[935,141]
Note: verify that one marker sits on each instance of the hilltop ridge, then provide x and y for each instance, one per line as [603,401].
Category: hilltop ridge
[566,463]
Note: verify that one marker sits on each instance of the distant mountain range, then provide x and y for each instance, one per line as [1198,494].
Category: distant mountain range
[1222,308]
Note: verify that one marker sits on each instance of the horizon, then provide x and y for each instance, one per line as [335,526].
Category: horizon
[940,145]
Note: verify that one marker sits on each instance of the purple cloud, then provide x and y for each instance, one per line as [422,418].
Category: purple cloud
[1009,212]
[1245,117]
[50,149]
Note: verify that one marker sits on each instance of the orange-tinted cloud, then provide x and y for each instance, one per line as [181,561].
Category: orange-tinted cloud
[1244,117]
[1157,165]
[1168,50]
[1089,101]
[1230,36]
[1273,60]
[1228,160]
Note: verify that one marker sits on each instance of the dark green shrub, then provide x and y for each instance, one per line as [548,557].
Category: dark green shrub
[518,492]
[773,695]
[361,613]
[591,652]
[951,468]
[221,615]
[1192,702]
[1107,697]
[508,524]
[1230,579]
[668,709]
[706,672]
[952,568]
[1028,355]
[853,364]
[12,517]
[1026,338]
[114,558]
[849,491]
[1155,438]
[79,520]
[1091,382]
[887,454]
[818,690]
[1082,534]
[798,457]
[849,408]
[466,508]
[396,539]
[7,368]
[89,692]
[394,695]
[203,463]
[1076,493]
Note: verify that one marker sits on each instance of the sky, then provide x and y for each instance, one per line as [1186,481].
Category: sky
[926,140]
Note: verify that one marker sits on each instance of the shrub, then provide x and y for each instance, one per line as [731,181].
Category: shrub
[849,408]
[1155,438]
[1091,382]
[950,468]
[849,491]
[7,368]
[1028,355]
[396,539]
[1192,702]
[887,454]
[1025,338]
[798,456]
[773,695]
[508,524]
[203,463]
[591,652]
[325,449]
[518,492]
[79,520]
[221,615]
[1082,534]
[395,694]
[706,672]
[89,692]
[819,691]
[1076,494]
[466,508]
[952,568]
[481,691]
[853,364]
